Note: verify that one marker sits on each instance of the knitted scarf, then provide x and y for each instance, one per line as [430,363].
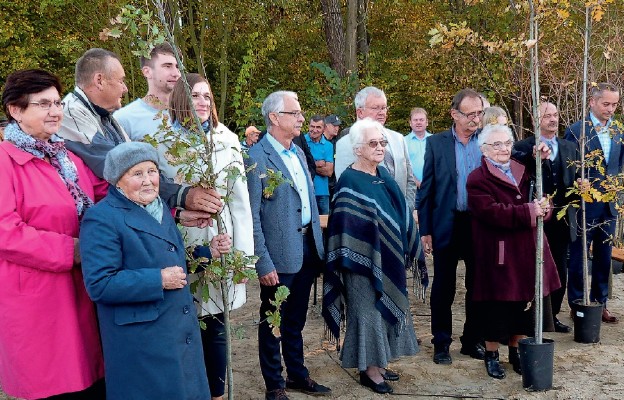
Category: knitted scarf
[370,233]
[55,150]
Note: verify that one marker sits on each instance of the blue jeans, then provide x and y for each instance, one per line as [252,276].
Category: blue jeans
[323,204]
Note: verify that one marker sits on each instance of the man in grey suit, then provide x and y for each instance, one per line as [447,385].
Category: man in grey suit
[288,242]
[371,102]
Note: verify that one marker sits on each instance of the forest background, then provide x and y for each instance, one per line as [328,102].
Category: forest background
[420,52]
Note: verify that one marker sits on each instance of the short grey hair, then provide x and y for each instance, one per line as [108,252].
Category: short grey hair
[274,103]
[358,131]
[93,61]
[362,95]
[490,129]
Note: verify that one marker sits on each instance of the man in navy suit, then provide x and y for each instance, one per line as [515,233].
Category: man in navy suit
[602,135]
[287,241]
[558,174]
[445,224]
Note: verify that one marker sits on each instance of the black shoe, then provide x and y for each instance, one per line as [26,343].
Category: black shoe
[390,375]
[561,327]
[441,355]
[476,351]
[381,388]
[308,386]
[514,359]
[492,365]
[277,394]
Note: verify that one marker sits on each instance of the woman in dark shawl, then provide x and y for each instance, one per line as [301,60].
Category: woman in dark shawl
[371,242]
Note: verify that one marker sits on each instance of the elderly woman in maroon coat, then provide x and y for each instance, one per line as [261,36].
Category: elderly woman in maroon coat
[504,221]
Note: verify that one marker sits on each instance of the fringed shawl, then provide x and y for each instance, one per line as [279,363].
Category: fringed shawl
[370,232]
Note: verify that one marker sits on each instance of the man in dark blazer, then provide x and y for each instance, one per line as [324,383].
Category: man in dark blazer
[558,174]
[602,135]
[288,243]
[445,224]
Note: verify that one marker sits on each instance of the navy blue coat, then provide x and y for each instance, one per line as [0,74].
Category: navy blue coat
[616,162]
[437,197]
[150,336]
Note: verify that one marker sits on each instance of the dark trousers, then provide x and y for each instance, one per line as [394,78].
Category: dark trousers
[444,284]
[293,313]
[558,236]
[214,344]
[600,233]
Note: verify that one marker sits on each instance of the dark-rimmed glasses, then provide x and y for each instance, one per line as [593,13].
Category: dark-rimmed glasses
[295,114]
[471,115]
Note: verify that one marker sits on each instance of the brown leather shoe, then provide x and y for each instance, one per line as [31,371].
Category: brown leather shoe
[608,317]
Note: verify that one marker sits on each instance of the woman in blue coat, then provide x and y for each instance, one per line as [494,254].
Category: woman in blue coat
[134,266]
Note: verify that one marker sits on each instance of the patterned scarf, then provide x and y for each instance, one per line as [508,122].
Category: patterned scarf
[505,168]
[56,152]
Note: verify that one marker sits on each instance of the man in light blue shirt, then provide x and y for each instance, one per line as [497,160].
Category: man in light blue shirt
[602,137]
[323,152]
[416,141]
[287,241]
[144,116]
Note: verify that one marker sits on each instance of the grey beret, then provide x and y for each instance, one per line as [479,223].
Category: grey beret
[125,156]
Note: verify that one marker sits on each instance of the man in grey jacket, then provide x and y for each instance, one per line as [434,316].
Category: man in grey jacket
[90,130]
[371,102]
[287,240]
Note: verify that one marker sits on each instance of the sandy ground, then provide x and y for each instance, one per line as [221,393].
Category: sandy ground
[582,371]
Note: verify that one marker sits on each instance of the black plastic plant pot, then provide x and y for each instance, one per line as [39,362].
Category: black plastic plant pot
[587,320]
[537,362]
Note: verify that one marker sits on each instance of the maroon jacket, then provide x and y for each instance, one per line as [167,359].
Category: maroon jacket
[504,232]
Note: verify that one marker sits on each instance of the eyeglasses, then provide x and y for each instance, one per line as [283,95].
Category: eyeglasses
[500,145]
[295,114]
[471,115]
[47,104]
[374,143]
[378,109]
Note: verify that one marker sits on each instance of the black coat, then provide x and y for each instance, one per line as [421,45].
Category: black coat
[567,155]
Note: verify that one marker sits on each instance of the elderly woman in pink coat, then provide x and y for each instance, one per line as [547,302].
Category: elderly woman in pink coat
[49,342]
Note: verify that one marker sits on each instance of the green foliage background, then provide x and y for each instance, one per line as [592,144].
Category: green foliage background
[248,49]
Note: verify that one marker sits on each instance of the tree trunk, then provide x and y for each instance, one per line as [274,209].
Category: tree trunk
[224,66]
[334,35]
[362,33]
[351,36]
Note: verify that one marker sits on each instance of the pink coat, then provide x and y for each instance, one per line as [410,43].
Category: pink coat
[49,342]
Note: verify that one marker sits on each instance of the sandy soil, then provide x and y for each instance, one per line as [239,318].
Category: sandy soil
[582,371]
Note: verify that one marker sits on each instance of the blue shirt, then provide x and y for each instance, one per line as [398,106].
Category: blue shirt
[553,145]
[139,119]
[604,135]
[297,172]
[416,149]
[321,150]
[467,159]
